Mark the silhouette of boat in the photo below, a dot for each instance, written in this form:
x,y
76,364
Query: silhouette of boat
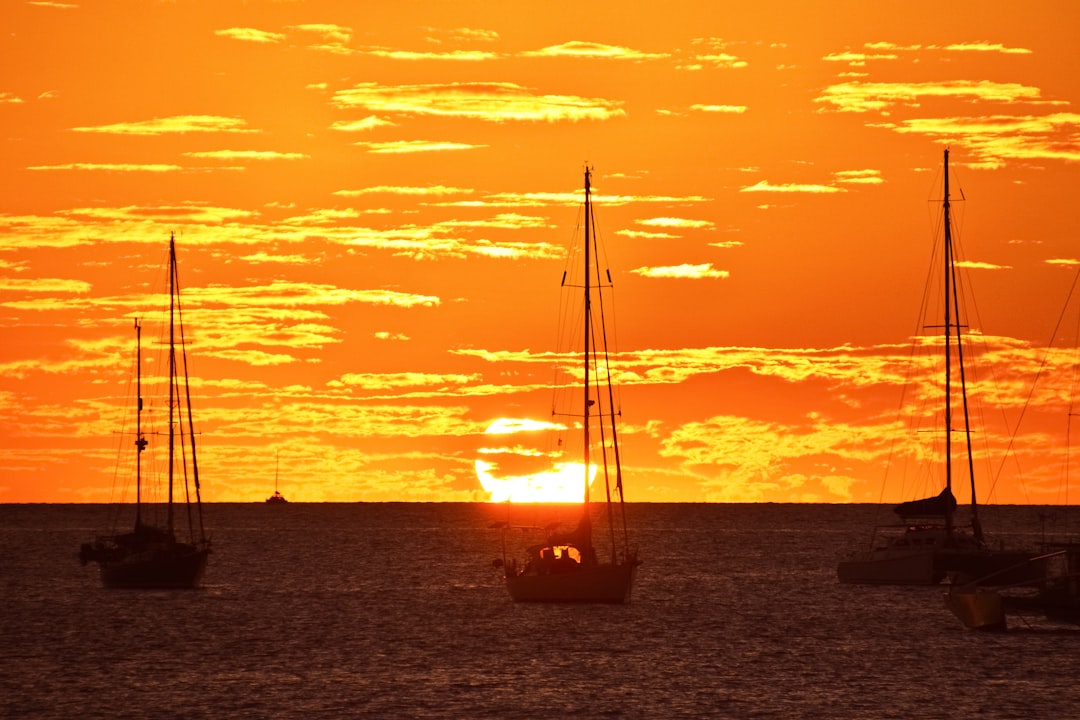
x,y
151,555
927,545
566,567
986,603
277,498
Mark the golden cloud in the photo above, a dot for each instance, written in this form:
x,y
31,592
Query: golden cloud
x,y
766,186
645,235
974,265
251,35
711,52
736,109
859,177
685,271
580,48
261,257
386,381
111,167
401,147
491,102
861,97
247,155
436,190
369,123
451,55
857,58
675,222
987,47
179,124
994,139
44,285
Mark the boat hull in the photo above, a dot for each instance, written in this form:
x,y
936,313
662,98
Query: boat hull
x,y
908,569
597,584
993,567
978,610
178,568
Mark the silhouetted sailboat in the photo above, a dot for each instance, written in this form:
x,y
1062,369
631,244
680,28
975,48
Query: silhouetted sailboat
x,y
151,555
566,567
277,498
985,603
928,545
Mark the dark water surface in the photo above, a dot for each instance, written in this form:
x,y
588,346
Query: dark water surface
x,y
395,611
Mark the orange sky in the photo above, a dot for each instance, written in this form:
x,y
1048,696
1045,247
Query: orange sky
x,y
372,203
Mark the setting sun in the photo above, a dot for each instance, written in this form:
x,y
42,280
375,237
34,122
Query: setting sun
x,y
518,464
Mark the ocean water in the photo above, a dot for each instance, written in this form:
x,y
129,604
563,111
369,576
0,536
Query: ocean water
x,y
395,611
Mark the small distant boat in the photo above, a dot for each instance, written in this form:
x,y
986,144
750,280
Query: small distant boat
x,y
152,555
928,545
277,498
565,567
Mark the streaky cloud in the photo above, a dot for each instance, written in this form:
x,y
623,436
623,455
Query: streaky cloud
x,y
581,48
491,102
859,177
178,124
385,381
111,167
975,265
371,122
405,147
674,222
247,34
247,155
421,55
435,190
44,285
766,186
733,109
862,97
685,271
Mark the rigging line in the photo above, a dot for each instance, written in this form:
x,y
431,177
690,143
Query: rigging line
x,y
913,350
1038,374
598,245
603,455
1072,408
967,295
190,421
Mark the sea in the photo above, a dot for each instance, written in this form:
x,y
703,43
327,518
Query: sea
x,y
399,611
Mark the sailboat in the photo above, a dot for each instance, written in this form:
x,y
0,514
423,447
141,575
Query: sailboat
x,y
567,566
986,603
152,555
928,544
277,498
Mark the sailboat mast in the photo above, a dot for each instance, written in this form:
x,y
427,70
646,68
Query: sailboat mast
x,y
172,370
140,443
588,331
948,252
963,384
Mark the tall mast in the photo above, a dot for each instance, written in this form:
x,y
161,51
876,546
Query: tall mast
x,y
948,336
140,441
955,297
588,330
948,340
173,399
